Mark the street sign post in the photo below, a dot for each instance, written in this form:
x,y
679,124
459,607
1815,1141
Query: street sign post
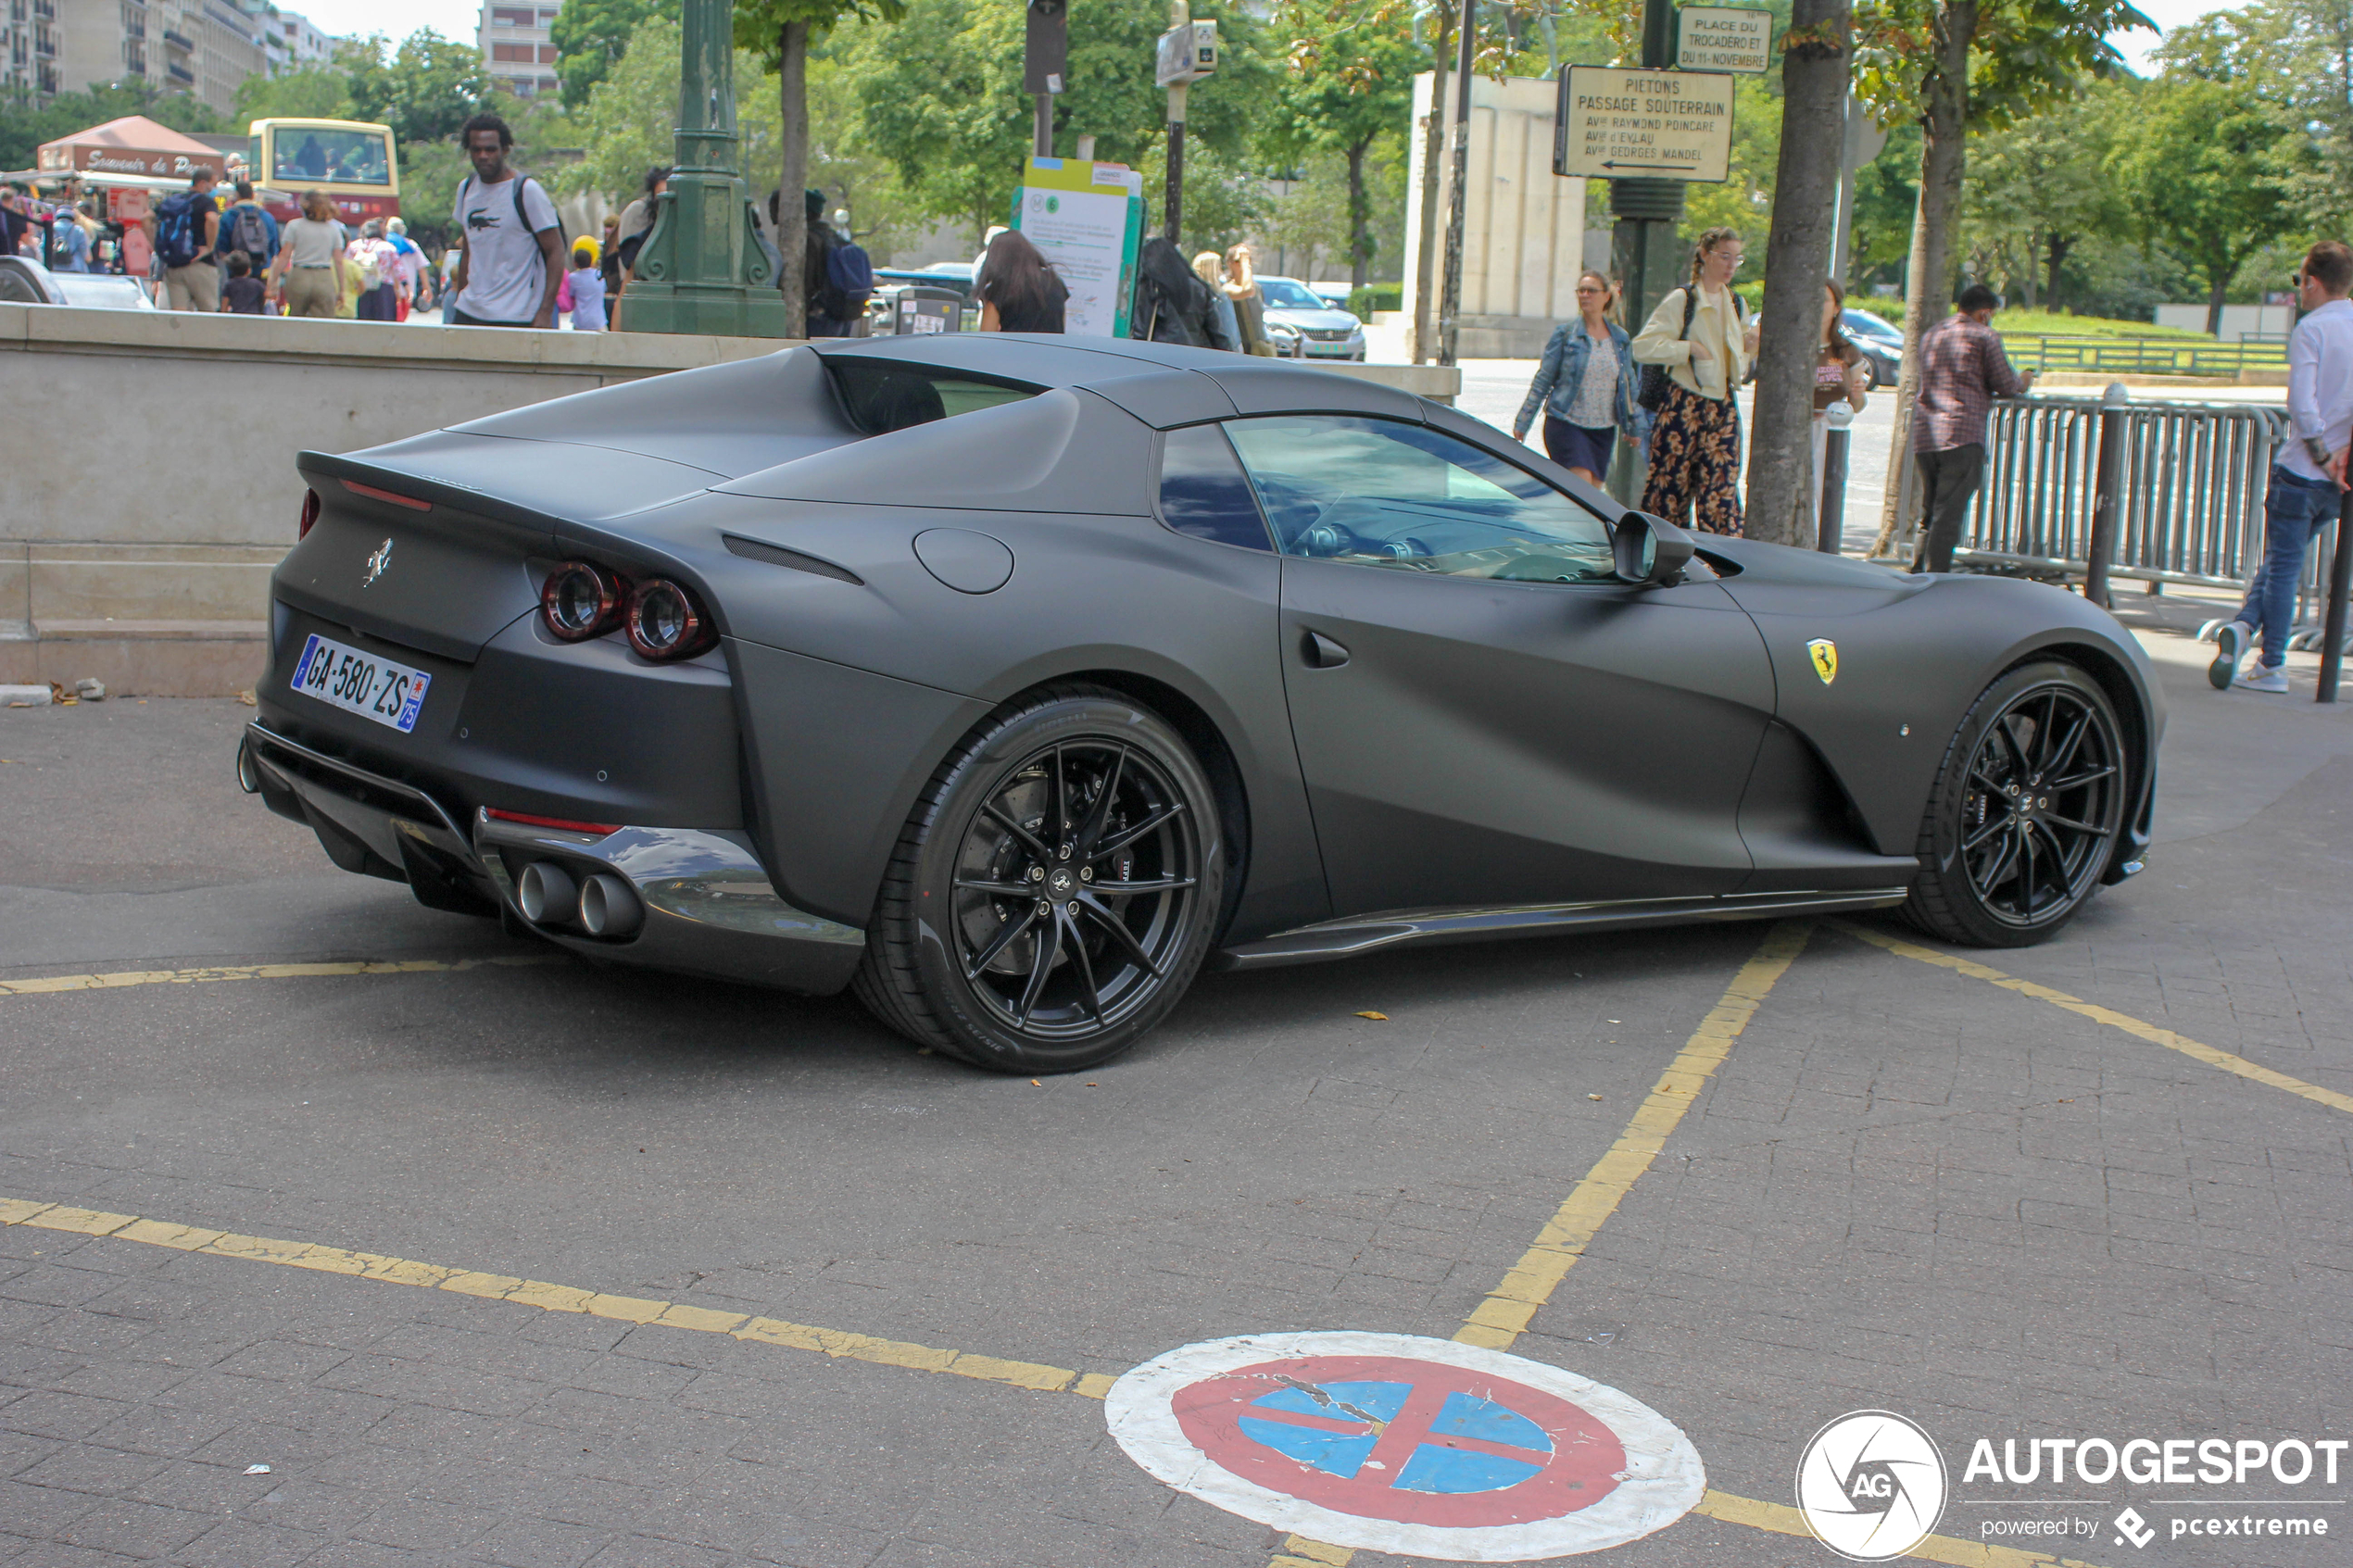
x,y
1734,38
1659,124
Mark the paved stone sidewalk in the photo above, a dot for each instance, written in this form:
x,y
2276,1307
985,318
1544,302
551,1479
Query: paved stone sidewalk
x,y
1907,1189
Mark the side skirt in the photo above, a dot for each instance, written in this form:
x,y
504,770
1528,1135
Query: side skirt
x,y
1364,934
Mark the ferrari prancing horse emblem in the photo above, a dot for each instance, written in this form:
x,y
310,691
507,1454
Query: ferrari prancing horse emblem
x,y
1825,656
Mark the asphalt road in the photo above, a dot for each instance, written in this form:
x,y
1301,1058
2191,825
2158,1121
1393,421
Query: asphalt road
x,y
1905,1188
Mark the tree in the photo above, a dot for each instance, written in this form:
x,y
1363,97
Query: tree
x,y
25,125
630,123
2044,185
1348,79
425,90
2207,174
318,91
1797,258
940,96
591,36
1945,65
779,32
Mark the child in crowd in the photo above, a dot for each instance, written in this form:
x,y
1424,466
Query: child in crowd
x,y
242,293
583,292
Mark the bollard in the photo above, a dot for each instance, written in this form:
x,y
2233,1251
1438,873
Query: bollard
x,y
2333,623
1831,530
2108,498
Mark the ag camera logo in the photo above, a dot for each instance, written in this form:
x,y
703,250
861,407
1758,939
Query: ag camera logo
x,y
1871,1485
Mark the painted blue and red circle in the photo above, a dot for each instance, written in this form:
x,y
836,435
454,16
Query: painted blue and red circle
x,y
1418,1442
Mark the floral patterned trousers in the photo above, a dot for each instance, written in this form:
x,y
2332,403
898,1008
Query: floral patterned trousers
x,y
1696,446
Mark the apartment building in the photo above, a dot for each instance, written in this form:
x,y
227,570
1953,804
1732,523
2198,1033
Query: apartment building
x,y
516,50
205,47
290,42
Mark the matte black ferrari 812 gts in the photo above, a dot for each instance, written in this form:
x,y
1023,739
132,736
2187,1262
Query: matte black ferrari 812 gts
x,y
1010,680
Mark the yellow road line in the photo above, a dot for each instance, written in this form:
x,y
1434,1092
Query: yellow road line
x,y
1783,1520
551,1298
258,972
1508,1309
2254,1070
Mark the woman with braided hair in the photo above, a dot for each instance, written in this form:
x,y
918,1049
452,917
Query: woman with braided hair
x,y
1702,335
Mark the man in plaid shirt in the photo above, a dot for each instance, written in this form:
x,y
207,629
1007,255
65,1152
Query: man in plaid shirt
x,y
1962,370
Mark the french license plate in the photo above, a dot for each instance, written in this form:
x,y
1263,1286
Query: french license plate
x,y
361,682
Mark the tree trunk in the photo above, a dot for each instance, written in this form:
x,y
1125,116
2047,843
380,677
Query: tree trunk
x,y
1928,283
1360,217
2060,245
2221,277
792,181
2025,275
1433,148
1797,263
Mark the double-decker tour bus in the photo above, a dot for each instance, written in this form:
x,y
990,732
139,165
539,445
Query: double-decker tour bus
x,y
354,163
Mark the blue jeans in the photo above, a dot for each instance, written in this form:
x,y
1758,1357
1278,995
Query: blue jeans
x,y
2294,510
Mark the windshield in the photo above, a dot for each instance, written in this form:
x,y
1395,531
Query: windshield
x,y
345,157
1863,321
1284,294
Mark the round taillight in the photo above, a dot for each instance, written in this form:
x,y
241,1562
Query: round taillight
x,y
309,514
665,623
580,600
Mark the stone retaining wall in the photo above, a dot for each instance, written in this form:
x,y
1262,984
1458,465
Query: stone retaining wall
x,y
149,484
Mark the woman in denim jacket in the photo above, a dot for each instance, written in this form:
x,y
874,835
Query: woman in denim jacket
x,y
1585,385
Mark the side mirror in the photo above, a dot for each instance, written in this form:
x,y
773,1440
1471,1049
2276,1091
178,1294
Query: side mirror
x,y
1650,550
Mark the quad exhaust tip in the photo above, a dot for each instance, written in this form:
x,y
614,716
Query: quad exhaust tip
x,y
609,906
604,905
548,894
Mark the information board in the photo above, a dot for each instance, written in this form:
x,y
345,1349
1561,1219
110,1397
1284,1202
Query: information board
x,y
1089,218
1664,124
1723,38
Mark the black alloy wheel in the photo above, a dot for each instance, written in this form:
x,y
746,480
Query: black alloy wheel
x,y
1052,893
2025,814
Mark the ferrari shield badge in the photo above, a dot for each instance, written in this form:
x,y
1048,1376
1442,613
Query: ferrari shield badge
x,y
1824,654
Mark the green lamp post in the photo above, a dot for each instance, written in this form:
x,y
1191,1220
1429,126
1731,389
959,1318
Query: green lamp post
x,y
700,268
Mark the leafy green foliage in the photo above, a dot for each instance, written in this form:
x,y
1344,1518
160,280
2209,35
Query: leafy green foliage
x,y
2208,173
2024,55
631,120
425,89
591,36
1347,80
318,91
2038,187
24,126
940,96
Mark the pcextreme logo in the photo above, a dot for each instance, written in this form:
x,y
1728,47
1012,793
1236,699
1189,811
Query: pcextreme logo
x,y
1871,1485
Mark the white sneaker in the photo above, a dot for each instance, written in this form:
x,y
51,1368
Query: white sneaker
x,y
2263,677
2231,642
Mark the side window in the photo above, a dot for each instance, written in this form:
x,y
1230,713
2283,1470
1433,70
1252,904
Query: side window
x,y
1203,491
1386,494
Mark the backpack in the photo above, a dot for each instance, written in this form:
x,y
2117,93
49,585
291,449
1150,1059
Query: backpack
x,y
850,281
1651,393
179,228
1171,303
251,235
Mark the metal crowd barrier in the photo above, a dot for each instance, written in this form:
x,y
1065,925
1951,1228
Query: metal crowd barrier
x,y
2190,482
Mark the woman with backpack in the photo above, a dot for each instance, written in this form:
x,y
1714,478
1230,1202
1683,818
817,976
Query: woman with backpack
x,y
1585,385
1695,350
1017,288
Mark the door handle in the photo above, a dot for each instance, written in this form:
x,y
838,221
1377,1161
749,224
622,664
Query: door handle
x,y
1321,652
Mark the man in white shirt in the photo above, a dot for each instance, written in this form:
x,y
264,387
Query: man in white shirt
x,y
513,258
2308,473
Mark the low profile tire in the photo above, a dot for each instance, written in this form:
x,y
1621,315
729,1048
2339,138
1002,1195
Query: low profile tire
x,y
2024,817
1052,892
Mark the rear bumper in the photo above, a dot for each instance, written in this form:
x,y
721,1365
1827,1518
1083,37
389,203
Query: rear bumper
x,y
708,905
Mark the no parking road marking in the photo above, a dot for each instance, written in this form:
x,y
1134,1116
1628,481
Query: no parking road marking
x,y
1399,1443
